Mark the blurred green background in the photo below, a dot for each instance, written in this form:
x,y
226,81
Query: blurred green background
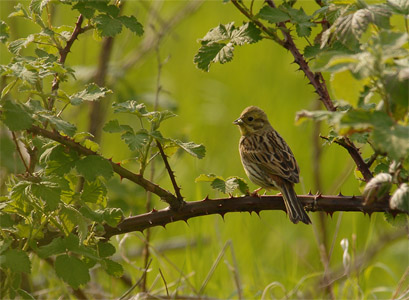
x,y
271,254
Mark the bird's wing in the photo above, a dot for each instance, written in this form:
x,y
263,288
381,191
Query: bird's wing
x,y
272,155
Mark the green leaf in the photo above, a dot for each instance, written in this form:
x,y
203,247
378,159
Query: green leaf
x,y
94,192
70,218
19,11
93,166
399,6
207,178
196,150
60,160
213,52
49,192
61,125
25,295
56,246
311,51
378,187
132,24
303,29
37,6
131,106
97,216
107,26
113,216
400,199
4,32
272,15
15,260
393,140
15,116
71,270
113,126
112,268
399,220
248,33
105,249
397,90
15,46
137,140
92,92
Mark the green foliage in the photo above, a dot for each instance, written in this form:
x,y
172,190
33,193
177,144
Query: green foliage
x,y
218,44
226,186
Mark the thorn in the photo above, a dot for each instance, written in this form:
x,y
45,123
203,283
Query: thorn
x,y
353,197
206,198
120,176
110,159
163,225
231,196
309,193
186,222
370,214
331,213
118,163
394,214
153,210
222,215
150,222
340,194
257,212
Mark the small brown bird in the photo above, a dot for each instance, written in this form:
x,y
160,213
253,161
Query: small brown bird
x,y
268,160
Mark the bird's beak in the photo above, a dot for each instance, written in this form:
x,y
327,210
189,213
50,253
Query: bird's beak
x,y
239,121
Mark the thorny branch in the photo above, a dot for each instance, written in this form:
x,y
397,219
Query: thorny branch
x,y
316,79
124,173
328,204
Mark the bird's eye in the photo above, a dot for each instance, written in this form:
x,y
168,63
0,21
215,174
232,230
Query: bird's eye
x,y
250,119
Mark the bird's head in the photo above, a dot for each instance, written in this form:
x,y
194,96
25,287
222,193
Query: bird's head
x,y
252,120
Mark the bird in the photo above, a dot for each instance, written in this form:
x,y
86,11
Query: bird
x,y
268,160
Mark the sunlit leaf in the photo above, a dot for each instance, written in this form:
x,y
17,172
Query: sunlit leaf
x,y
272,15
4,32
93,166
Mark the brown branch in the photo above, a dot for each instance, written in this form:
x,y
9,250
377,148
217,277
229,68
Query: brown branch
x,y
316,79
328,204
63,56
124,173
170,172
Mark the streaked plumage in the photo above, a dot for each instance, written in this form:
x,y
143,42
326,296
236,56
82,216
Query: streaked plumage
x,y
268,160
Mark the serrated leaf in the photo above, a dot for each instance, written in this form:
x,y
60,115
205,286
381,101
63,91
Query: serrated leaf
x,y
393,140
92,92
196,150
37,6
112,268
213,52
15,260
220,33
105,249
69,217
311,51
377,187
400,199
399,220
60,161
15,46
137,140
219,184
132,24
113,216
56,246
94,192
4,32
72,270
107,25
49,192
61,125
97,216
113,126
131,106
207,178
304,29
248,33
19,11
15,116
272,15
93,166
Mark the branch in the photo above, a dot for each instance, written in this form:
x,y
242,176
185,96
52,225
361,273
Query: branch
x,y
124,173
63,55
170,172
328,204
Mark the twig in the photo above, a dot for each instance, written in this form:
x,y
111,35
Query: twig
x,y
124,173
164,282
63,56
329,204
401,281
170,172
356,156
19,152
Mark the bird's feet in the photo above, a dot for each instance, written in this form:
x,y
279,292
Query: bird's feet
x,y
255,193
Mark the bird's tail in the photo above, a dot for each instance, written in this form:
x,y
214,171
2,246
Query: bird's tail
x,y
294,207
